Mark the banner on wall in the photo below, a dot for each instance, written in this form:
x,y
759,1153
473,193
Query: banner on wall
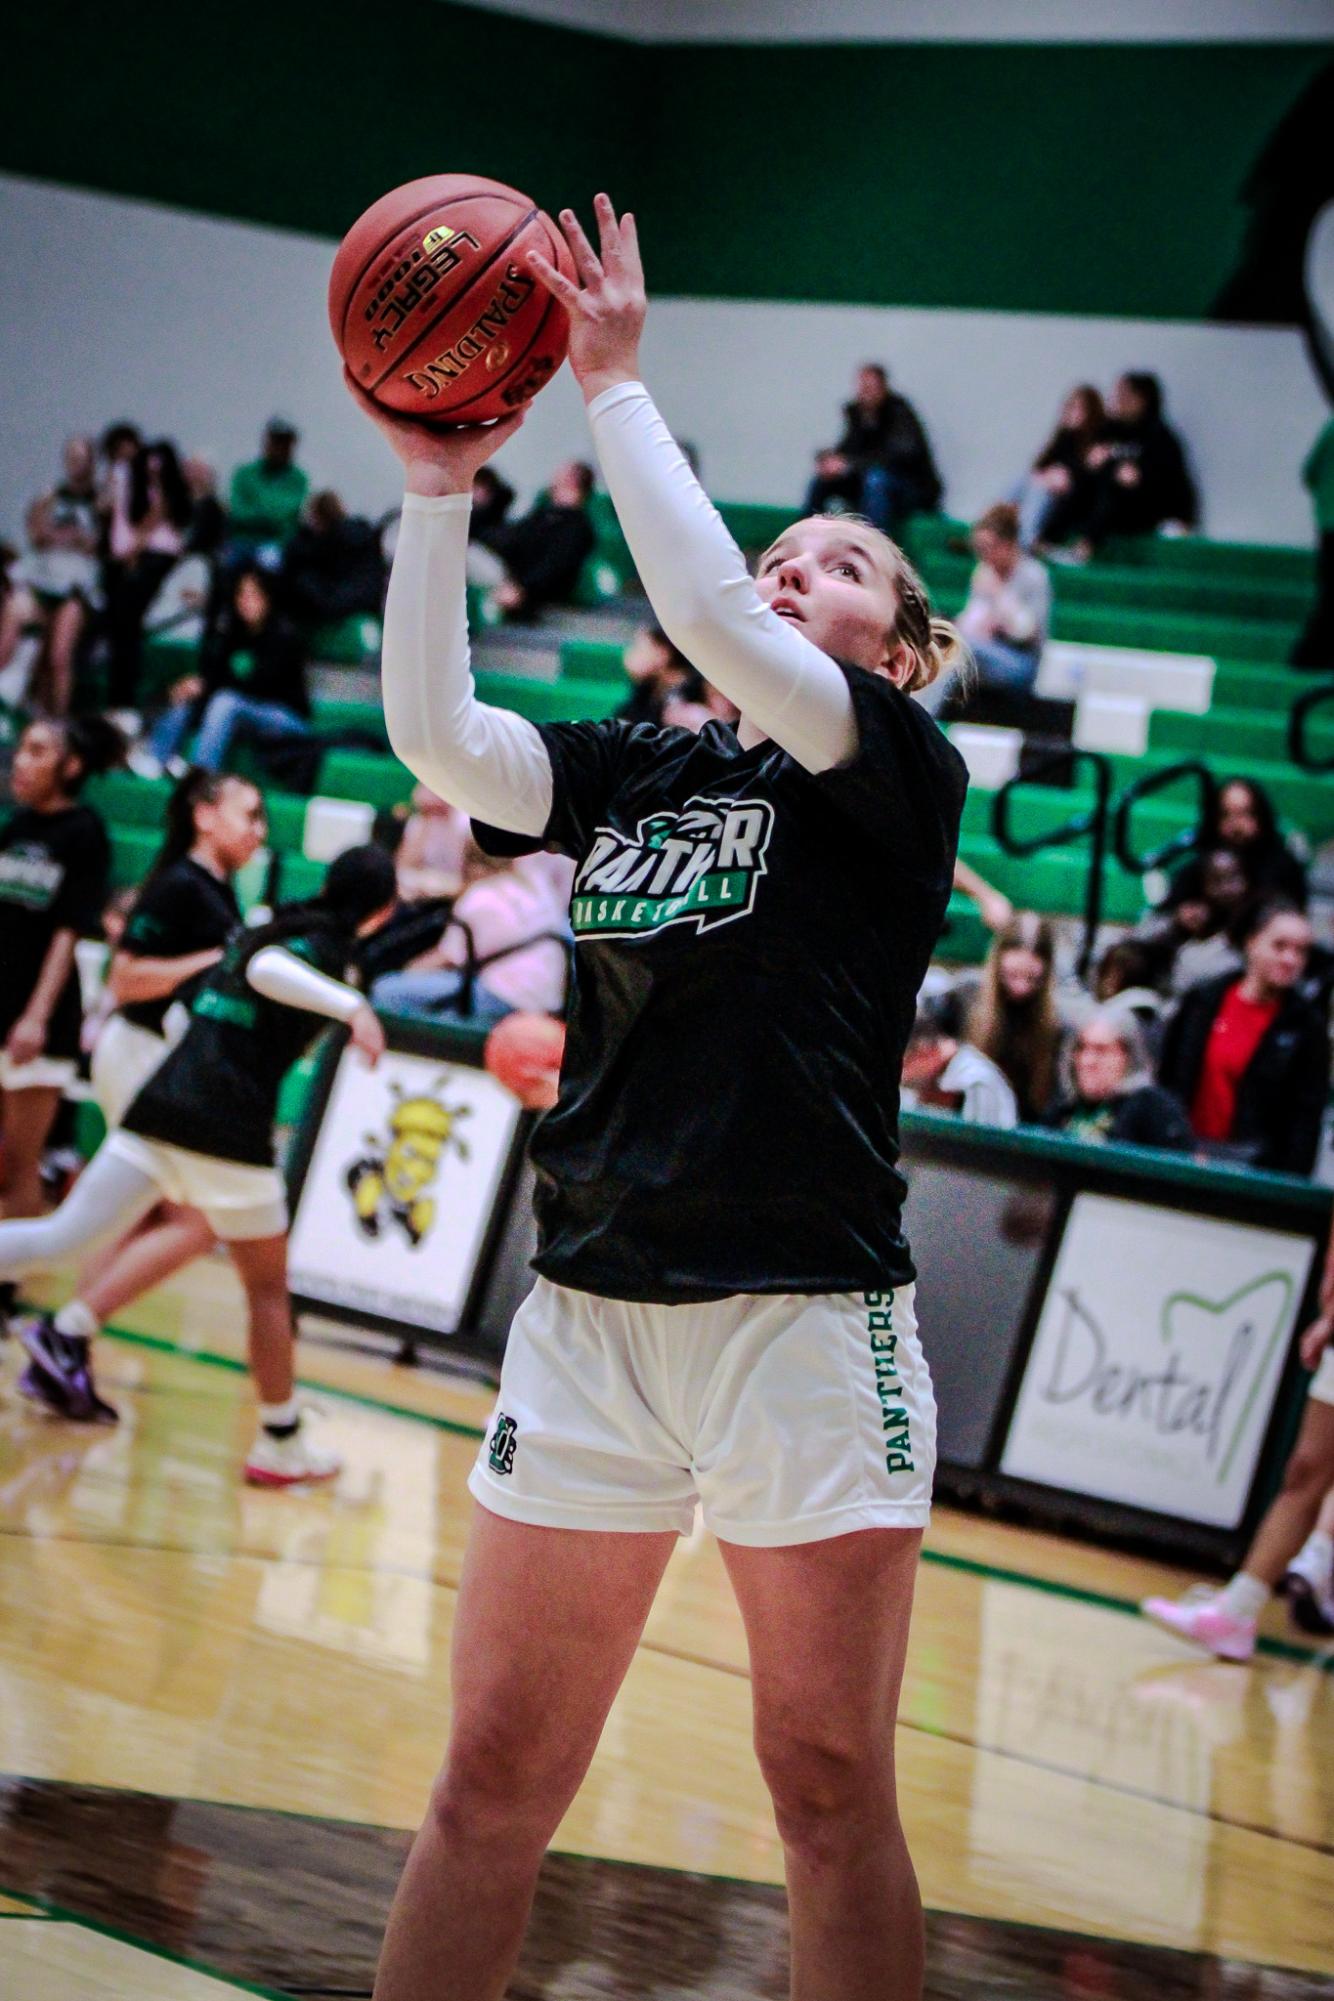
x,y
400,1195
1157,1358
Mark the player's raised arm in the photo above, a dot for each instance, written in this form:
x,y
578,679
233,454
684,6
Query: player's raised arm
x,y
488,762
692,570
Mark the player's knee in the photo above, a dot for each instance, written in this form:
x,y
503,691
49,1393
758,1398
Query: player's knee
x,y
824,1790
498,1781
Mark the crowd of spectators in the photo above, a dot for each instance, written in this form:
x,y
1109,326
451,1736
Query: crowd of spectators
x,y
1203,1029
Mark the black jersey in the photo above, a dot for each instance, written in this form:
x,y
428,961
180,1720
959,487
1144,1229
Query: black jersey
x,y
53,877
216,1092
751,942
183,910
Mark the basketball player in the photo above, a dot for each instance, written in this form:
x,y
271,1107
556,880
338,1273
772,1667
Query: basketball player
x,y
724,1306
200,1133
174,934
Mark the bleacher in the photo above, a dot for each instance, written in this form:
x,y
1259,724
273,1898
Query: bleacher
x,y
1167,650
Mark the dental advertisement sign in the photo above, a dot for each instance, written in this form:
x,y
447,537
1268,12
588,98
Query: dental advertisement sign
x,y
401,1189
1157,1358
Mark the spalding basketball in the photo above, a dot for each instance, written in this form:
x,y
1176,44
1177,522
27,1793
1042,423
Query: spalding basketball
x,y
434,308
524,1052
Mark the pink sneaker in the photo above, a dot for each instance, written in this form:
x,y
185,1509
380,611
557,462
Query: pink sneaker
x,y
1202,1617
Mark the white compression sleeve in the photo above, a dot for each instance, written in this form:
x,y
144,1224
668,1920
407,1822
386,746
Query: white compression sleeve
x,y
490,763
702,594
108,1198
281,976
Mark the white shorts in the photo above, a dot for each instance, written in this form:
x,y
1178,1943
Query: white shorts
x,y
1322,1382
240,1202
124,1058
44,1073
791,1418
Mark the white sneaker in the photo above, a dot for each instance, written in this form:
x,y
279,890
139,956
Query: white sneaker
x,y
289,1462
142,762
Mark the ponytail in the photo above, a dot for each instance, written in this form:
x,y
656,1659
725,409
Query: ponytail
x,y
95,742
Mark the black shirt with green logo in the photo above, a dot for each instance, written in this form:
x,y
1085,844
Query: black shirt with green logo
x,y
53,877
751,942
182,910
216,1092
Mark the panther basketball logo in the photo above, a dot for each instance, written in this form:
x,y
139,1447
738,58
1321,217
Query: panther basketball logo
x,y
700,866
503,1441
388,1185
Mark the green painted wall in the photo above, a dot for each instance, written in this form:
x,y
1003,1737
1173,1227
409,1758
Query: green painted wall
x,y
1087,180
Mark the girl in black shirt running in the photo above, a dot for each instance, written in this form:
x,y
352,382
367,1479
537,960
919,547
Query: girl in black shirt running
x,y
200,1132
724,1306
54,859
174,934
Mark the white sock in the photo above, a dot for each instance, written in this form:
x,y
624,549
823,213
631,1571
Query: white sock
x,y
77,1321
1244,1596
280,1416
1319,1549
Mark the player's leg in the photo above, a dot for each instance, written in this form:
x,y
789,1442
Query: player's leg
x,y
1308,1582
827,1625
26,1118
546,1625
1225,1620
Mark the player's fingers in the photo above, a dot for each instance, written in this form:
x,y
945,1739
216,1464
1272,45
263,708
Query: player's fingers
x,y
632,264
585,259
555,281
609,234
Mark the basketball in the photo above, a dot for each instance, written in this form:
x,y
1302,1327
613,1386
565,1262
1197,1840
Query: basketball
x,y
432,304
524,1052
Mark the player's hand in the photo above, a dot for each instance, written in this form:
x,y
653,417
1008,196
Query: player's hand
x,y
26,1040
1316,1339
436,459
608,306
366,1033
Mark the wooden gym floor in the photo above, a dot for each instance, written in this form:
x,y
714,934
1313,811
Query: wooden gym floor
x,y
220,1711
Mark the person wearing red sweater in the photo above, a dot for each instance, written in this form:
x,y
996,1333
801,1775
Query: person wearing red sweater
x,y
1249,1056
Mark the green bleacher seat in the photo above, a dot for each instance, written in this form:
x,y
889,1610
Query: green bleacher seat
x,y
329,713
1305,798
287,820
347,642
1246,684
297,877
565,700
133,852
966,939
1236,735
594,660
126,800
360,774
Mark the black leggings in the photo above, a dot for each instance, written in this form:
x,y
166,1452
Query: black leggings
x,y
130,589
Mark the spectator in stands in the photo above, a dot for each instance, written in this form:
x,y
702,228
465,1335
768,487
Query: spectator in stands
x,y
251,680
660,675
1008,612
21,631
882,465
430,851
332,567
946,1073
61,568
1060,467
1241,817
1139,479
1315,646
1114,1095
1014,1018
1198,936
492,499
1249,1056
498,952
1126,974
266,499
535,562
150,518
117,446
994,908
208,516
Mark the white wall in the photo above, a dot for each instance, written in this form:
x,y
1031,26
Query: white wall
x,y
201,329
936,20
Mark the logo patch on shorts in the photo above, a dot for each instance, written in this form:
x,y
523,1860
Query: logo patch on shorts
x,y
503,1441
889,1385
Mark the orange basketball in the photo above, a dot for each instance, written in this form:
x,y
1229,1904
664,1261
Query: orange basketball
x,y
434,308
524,1052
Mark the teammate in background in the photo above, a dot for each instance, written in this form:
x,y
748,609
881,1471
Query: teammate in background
x,y
724,1306
1291,1550
200,1133
174,934
54,859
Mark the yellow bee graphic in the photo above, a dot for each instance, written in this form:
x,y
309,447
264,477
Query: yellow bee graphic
x,y
387,1185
